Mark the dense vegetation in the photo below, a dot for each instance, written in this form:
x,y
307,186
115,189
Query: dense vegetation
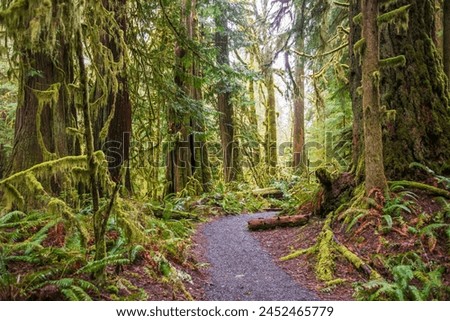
x,y
125,123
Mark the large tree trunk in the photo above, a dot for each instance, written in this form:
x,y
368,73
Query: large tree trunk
x,y
118,105
40,132
253,120
187,156
225,107
446,40
271,122
356,97
418,94
373,142
298,141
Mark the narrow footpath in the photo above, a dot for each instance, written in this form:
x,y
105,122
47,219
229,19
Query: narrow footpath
x,y
241,270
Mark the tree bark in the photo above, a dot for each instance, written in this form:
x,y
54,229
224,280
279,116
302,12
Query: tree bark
x,y
225,107
356,97
373,142
418,94
39,72
117,143
298,139
187,156
446,40
271,122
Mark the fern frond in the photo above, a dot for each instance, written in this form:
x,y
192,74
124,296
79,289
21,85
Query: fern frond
x,y
101,264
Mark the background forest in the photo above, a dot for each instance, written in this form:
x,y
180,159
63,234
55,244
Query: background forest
x,y
125,123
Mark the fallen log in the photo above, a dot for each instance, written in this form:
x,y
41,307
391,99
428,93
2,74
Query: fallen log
x,y
279,221
268,192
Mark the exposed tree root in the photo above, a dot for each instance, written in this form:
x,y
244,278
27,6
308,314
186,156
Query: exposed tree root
x,y
357,262
326,248
424,187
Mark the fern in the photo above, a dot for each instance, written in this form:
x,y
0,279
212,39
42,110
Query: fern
x,y
107,261
441,179
411,280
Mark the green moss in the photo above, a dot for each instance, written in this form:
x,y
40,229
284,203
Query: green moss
x,y
325,257
48,98
399,17
358,19
398,61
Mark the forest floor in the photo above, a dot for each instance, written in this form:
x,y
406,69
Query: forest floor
x,y
239,261
241,269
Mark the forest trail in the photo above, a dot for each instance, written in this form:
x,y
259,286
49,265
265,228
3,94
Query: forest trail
x,y
241,270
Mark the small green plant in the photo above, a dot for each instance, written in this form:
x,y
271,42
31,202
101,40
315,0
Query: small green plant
x,y
411,279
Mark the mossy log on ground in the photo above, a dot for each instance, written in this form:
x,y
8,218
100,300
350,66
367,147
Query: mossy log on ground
x,y
355,260
268,192
424,187
274,222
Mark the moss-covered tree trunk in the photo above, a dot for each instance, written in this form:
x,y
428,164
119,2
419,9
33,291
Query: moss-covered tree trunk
x,y
187,156
116,112
355,79
179,155
252,147
270,122
201,167
446,37
253,121
40,131
417,93
45,107
225,107
298,141
372,114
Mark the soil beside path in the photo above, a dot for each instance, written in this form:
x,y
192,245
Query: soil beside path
x,y
242,270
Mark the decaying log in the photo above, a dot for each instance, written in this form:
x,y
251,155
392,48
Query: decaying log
x,y
279,221
268,192
333,192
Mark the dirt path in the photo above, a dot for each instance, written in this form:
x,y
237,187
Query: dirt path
x,y
241,270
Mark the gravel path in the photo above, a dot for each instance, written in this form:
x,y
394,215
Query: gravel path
x,y
241,270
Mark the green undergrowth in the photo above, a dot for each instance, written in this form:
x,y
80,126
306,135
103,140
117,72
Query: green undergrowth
x,y
399,242
298,191
45,255
410,279
47,241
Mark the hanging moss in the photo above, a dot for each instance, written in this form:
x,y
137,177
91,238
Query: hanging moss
x,y
359,47
398,17
358,19
48,98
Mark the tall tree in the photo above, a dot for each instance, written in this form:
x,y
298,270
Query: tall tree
x,y
119,103
44,106
299,161
355,79
446,36
224,105
416,92
372,113
187,154
271,118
